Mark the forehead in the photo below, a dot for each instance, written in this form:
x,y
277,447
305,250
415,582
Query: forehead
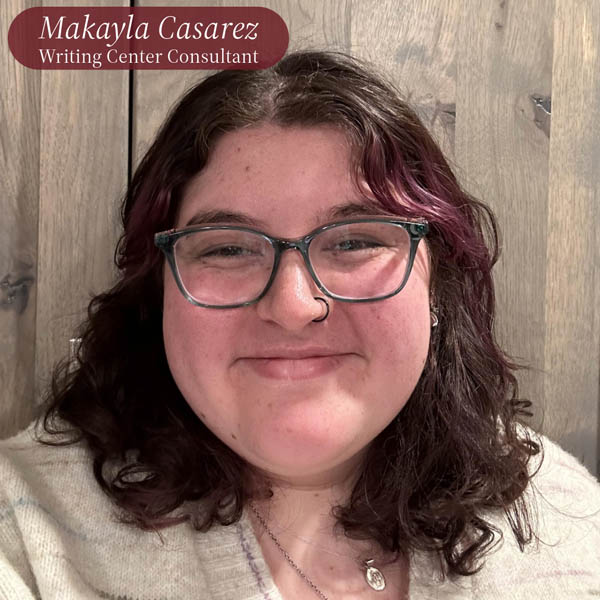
x,y
282,179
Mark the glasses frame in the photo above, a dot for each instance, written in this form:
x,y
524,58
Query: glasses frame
x,y
165,241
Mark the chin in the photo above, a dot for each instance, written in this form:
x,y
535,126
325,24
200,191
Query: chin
x,y
296,454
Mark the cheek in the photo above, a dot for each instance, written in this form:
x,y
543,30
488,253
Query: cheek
x,y
193,336
401,334
178,321
398,334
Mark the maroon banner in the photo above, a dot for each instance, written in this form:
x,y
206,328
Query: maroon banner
x,y
162,37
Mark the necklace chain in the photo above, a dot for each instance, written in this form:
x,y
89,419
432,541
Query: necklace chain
x,y
286,555
374,577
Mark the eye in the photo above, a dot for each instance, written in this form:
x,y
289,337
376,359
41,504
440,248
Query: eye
x,y
219,246
356,244
225,251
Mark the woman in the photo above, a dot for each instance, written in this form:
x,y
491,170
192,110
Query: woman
x,y
294,382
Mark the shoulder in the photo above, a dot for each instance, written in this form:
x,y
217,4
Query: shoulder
x,y
564,494
60,537
38,484
35,475
40,479
25,461
558,462
563,559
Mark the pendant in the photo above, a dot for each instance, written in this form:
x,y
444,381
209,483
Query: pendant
x,y
374,576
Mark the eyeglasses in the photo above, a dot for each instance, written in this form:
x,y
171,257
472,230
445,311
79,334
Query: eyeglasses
x,y
226,266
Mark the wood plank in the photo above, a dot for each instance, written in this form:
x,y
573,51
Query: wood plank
x,y
572,270
504,64
19,185
415,48
83,171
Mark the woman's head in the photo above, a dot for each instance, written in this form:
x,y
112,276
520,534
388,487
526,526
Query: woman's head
x,y
298,399
199,394
283,146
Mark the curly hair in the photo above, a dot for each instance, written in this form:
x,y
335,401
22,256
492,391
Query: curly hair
x,y
456,450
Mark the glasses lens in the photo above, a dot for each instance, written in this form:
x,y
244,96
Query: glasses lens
x,y
361,260
219,267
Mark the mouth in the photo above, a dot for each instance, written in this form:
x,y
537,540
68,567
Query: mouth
x,y
295,366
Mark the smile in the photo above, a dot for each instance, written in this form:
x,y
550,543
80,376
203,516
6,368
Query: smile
x,y
294,369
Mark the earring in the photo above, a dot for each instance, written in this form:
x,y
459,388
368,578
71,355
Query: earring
x,y
434,318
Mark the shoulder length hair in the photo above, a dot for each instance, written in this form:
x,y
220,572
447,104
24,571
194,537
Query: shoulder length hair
x,y
456,450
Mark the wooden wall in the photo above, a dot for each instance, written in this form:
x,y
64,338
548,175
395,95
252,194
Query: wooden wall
x,y
64,163
511,90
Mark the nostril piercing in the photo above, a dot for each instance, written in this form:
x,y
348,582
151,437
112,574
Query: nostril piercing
x,y
321,299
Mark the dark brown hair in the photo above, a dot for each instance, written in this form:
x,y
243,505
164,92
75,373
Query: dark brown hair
x,y
455,452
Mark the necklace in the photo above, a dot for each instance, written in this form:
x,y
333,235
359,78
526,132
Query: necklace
x,y
373,575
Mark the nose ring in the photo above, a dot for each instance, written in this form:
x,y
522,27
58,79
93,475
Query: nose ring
x,y
321,299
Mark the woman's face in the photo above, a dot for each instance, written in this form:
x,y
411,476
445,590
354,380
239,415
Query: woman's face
x,y
300,400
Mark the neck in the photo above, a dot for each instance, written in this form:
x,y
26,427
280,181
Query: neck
x,y
301,520
306,510
301,508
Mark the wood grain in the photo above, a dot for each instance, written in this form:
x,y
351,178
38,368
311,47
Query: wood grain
x,y
19,188
572,267
414,45
504,60
83,169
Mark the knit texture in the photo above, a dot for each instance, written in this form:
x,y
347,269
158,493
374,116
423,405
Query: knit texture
x,y
60,540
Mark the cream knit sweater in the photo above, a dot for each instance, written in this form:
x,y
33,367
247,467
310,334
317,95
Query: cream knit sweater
x,y
60,540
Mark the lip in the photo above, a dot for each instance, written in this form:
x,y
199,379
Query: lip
x,y
295,364
294,352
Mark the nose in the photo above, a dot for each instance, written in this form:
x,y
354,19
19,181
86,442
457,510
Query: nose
x,y
290,301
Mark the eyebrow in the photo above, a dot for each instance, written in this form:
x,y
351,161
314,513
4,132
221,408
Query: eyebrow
x,y
209,217
345,210
366,208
